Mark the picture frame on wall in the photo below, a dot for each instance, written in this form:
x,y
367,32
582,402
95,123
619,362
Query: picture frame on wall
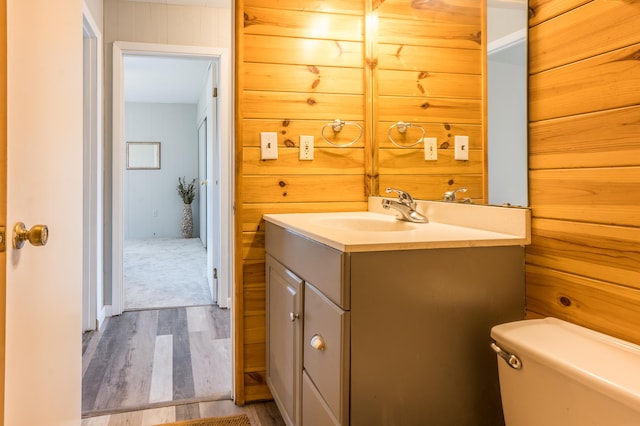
x,y
143,155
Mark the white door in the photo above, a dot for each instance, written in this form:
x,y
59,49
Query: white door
x,y
202,177
44,185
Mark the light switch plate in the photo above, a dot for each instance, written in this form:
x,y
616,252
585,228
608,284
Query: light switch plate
x,y
461,148
430,148
306,147
268,145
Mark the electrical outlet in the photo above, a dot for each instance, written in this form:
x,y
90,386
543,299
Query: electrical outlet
x,y
306,147
461,151
430,148
268,145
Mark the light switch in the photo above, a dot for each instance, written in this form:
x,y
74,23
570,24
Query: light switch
x,y
430,148
268,145
461,148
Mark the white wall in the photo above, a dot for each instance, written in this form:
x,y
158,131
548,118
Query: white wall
x,y
151,23
153,208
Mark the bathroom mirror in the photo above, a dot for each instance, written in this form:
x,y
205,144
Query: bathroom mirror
x,y
432,73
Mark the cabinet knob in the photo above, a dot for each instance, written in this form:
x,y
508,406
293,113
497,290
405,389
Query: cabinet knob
x,y
317,342
293,316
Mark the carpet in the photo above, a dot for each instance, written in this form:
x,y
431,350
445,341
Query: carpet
x,y
238,420
164,273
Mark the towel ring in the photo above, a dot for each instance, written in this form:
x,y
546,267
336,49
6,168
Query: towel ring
x,y
337,126
402,129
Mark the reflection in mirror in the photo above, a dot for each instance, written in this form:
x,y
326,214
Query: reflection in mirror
x,y
429,73
429,64
506,98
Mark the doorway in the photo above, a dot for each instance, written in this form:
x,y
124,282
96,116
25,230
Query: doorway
x,y
167,99
222,198
164,328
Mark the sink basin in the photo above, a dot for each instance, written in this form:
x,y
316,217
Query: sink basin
x,y
365,224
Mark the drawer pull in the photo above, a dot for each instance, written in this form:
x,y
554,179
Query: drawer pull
x,y
317,342
293,316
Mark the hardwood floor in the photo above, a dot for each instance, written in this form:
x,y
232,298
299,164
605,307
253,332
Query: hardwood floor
x,y
153,358
260,414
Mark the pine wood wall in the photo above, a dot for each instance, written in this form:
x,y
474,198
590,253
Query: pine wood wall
x,y
429,72
584,164
301,65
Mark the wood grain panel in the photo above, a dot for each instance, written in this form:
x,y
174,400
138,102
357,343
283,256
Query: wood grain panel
x,y
354,7
252,213
334,161
303,78
582,265
467,12
256,330
412,162
423,83
562,91
431,59
594,304
416,33
607,196
603,252
303,23
542,10
254,288
601,139
295,189
433,187
596,27
289,132
429,109
286,105
255,358
253,245
298,51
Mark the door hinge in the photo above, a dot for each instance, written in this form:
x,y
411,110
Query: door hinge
x,y
215,273
215,92
3,239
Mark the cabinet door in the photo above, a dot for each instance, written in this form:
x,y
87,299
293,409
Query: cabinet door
x,y
284,344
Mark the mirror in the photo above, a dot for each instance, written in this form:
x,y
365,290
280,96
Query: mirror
x,y
430,74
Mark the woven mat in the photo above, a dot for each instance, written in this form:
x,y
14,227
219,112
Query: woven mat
x,y
238,420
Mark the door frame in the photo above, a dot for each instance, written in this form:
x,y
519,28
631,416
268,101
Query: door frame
x,y
225,162
93,312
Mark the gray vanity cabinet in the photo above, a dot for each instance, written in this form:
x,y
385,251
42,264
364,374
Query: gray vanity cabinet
x,y
406,332
284,334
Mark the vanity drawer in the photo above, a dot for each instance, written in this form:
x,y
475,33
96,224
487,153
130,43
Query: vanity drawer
x,y
325,267
315,411
326,350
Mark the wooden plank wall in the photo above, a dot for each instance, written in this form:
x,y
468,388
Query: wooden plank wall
x,y
299,66
430,62
584,159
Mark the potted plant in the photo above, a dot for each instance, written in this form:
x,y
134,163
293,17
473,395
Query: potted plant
x,y
187,193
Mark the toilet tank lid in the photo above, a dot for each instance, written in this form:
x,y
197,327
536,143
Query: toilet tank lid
x,y
602,362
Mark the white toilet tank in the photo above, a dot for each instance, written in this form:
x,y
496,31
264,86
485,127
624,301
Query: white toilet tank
x,y
568,375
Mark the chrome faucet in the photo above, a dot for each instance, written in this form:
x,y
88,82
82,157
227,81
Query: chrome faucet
x,y
452,196
405,206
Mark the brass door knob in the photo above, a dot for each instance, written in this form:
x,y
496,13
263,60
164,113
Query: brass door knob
x,y
37,235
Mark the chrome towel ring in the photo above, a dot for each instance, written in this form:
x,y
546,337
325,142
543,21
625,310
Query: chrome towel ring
x,y
402,129
337,125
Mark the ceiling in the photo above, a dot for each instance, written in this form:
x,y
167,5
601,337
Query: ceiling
x,y
164,79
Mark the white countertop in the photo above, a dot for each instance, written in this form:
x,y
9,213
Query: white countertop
x,y
372,231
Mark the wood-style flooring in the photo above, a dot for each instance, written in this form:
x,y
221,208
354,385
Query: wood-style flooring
x,y
260,414
155,358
